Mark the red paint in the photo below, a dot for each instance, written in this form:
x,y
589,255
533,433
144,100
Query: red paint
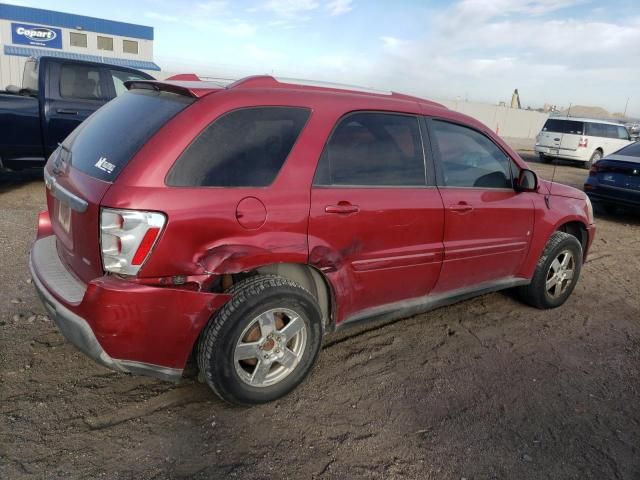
x,y
44,225
184,77
373,245
251,213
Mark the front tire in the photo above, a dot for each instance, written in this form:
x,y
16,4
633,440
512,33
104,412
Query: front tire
x,y
556,274
263,342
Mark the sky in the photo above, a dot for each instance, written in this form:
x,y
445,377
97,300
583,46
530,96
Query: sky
x,y
553,51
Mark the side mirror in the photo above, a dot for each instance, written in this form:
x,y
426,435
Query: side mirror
x,y
527,181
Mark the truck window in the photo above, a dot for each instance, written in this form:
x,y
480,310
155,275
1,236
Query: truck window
x,y
30,76
119,77
80,82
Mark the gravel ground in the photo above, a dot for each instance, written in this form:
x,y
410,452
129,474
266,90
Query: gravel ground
x,y
485,389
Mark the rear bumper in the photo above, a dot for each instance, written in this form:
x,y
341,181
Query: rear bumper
x,y
612,195
577,155
121,325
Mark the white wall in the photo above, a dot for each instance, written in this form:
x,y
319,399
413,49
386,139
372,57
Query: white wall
x,y
11,70
506,121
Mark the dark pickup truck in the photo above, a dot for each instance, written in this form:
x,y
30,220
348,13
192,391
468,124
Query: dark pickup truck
x,y
56,95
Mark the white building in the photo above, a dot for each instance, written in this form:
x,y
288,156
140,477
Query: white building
x,y
32,32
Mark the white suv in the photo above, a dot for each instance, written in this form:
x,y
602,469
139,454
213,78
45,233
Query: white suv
x,y
583,139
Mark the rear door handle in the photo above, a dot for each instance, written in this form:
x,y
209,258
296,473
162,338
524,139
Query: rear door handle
x,y
342,208
65,111
461,208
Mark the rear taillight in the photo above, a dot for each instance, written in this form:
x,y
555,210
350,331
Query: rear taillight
x,y
594,170
127,237
584,142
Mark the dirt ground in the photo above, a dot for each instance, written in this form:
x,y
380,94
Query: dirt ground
x,y
486,389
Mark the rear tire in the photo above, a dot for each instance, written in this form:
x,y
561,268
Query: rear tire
x,y
556,274
263,342
597,155
545,159
609,208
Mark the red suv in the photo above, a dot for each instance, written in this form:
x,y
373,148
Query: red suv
x,y
239,225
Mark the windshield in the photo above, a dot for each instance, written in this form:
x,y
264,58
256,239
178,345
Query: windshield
x,y
104,143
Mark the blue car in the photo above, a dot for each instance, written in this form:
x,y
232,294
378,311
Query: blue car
x,y
615,180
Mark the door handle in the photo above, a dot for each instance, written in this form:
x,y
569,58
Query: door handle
x,y
556,139
65,111
342,208
461,207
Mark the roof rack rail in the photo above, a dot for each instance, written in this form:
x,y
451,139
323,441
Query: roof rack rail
x,y
266,81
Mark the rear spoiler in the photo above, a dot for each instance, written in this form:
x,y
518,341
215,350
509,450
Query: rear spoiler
x,y
194,89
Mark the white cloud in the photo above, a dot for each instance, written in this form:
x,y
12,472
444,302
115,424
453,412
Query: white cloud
x,y
212,6
391,43
263,55
289,8
239,29
161,17
339,7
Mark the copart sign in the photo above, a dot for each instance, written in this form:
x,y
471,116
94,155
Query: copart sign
x,y
36,35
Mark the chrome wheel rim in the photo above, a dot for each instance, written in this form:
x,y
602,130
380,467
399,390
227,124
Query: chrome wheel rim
x,y
560,274
270,347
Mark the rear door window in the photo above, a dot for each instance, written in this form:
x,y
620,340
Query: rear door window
x,y
104,143
373,149
243,148
469,159
605,130
80,82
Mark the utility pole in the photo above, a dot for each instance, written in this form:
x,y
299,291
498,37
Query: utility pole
x,y
625,107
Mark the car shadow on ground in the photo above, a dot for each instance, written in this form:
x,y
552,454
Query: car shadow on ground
x,y
531,157
10,179
624,215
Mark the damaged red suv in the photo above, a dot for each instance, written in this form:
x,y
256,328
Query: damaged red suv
x,y
239,225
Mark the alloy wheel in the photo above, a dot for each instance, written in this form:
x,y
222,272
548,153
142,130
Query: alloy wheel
x,y
270,347
560,274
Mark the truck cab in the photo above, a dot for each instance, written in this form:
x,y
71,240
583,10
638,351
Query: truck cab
x,y
56,95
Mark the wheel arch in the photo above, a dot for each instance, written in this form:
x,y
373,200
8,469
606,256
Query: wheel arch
x,y
311,279
577,229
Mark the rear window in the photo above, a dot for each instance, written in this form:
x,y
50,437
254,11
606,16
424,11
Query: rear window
x,y
563,126
243,148
632,150
104,143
